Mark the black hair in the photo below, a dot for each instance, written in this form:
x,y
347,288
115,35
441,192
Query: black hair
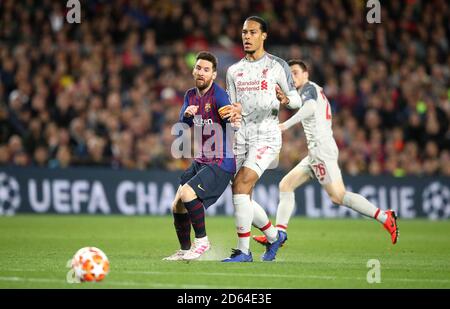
x,y
204,55
260,21
300,63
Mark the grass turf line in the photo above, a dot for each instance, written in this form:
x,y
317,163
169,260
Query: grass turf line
x,y
320,253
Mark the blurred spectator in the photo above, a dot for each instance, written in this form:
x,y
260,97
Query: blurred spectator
x,y
40,156
62,159
108,90
4,155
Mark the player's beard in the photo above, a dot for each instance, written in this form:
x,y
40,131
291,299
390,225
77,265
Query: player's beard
x,y
202,84
251,52
248,51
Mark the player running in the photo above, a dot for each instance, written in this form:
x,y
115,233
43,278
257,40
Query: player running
x,y
322,159
207,104
252,82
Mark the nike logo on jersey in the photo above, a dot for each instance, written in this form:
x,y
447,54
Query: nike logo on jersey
x,y
200,187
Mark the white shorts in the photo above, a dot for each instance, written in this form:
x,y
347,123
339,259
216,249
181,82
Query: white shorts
x,y
257,152
322,163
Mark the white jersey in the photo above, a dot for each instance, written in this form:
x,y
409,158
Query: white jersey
x,y
252,83
315,116
317,127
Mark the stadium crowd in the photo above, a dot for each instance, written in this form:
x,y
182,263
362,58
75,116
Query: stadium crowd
x,y
106,91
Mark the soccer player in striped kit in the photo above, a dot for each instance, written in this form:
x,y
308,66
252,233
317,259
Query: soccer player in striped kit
x,y
207,107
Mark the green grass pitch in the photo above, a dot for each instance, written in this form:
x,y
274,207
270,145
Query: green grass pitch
x,y
321,253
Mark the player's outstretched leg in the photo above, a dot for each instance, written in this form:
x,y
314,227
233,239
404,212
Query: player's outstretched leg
x,y
360,204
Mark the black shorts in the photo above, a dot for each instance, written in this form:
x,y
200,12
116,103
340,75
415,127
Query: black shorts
x,y
207,181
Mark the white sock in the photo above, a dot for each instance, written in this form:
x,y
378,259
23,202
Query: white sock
x,y
262,222
243,220
360,204
285,209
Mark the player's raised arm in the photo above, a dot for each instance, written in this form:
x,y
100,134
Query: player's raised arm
x,y
308,108
286,83
187,112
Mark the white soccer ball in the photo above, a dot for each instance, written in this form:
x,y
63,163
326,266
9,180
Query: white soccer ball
x,y
90,264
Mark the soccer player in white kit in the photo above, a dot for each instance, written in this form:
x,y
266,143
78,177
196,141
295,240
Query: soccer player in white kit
x,y
322,159
252,82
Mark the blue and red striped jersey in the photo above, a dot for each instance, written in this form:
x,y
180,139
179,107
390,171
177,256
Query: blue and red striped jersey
x,y
216,147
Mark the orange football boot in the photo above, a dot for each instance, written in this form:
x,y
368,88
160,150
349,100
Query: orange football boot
x,y
391,225
261,239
